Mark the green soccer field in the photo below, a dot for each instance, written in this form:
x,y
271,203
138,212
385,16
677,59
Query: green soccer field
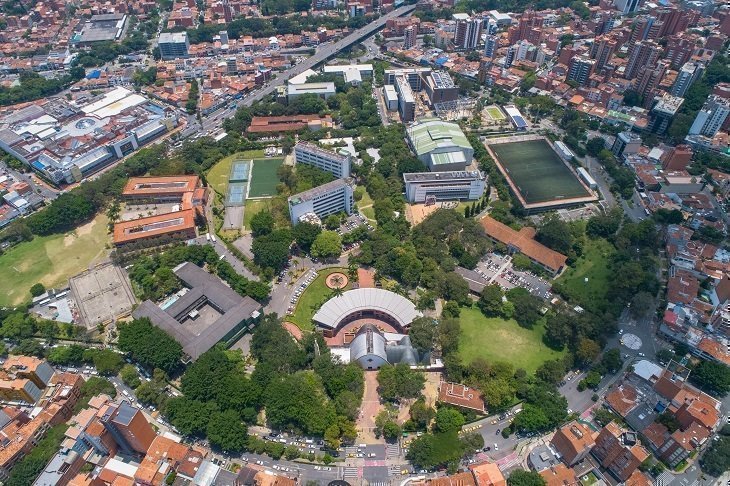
x,y
495,113
263,177
538,172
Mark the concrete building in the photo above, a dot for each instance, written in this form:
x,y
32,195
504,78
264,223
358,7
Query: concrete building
x,y
711,117
364,303
67,143
406,99
409,37
391,97
627,6
173,45
444,186
490,46
687,75
323,90
642,54
331,198
468,31
332,162
441,146
440,88
580,70
663,113
626,143
563,151
207,313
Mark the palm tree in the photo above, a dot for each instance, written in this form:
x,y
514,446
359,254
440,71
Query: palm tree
x,y
337,292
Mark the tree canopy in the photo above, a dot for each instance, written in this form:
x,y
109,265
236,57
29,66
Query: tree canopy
x,y
150,345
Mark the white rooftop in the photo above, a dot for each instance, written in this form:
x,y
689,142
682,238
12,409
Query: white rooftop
x,y
337,308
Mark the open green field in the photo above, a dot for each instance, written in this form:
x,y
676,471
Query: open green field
x,y
497,339
495,113
51,260
218,174
538,172
366,205
593,265
251,207
313,297
263,177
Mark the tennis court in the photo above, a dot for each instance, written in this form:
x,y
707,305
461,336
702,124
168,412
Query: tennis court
x,y
263,177
537,171
236,194
239,171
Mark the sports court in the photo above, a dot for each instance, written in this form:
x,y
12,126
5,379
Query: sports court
x,y
263,177
537,174
495,113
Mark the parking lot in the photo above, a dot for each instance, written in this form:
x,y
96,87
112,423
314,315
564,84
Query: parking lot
x,y
308,279
498,269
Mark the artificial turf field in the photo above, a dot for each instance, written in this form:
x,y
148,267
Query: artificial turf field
x,y
537,171
263,177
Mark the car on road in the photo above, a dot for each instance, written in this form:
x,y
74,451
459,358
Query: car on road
x,y
495,447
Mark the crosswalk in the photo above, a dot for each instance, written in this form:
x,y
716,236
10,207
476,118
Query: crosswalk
x,y
664,479
392,450
394,470
378,483
351,473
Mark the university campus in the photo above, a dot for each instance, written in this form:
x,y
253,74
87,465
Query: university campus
x,y
346,243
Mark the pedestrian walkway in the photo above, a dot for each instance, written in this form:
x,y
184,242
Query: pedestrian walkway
x,y
377,483
392,451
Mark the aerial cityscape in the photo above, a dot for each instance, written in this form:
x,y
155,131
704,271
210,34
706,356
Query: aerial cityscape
x,y
365,243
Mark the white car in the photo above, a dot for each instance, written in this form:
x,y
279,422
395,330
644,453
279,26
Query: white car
x,y
495,447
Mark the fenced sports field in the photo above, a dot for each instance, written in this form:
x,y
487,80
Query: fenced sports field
x,y
537,174
495,113
263,177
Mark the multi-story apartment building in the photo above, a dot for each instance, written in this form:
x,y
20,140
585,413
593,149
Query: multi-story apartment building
x,y
173,45
711,117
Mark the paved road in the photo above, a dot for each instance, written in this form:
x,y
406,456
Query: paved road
x,y
214,121
325,51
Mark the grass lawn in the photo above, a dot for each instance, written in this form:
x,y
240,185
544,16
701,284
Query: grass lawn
x,y
51,260
366,204
218,174
313,297
263,177
496,339
252,207
593,264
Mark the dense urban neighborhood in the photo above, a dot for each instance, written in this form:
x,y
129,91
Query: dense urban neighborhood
x,y
344,242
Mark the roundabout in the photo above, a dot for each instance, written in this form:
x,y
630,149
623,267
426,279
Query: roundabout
x,y
337,280
631,341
